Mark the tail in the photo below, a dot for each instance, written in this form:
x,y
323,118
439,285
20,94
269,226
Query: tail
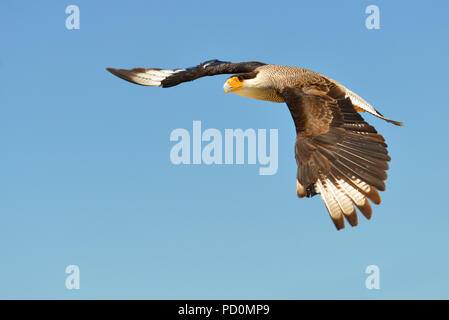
x,y
360,103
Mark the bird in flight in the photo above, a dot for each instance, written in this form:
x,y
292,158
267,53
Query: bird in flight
x,y
339,155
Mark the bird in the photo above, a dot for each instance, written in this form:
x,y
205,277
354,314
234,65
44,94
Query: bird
x,y
338,154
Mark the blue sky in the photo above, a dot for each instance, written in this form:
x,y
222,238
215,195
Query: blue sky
x,y
86,177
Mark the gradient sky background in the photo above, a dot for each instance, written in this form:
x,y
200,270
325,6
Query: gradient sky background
x,y
85,175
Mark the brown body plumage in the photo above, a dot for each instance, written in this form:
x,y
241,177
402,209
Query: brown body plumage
x,y
339,155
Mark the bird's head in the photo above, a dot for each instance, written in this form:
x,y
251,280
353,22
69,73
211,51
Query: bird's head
x,y
251,85
233,84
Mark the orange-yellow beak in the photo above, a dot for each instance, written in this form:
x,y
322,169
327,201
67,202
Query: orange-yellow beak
x,y
232,84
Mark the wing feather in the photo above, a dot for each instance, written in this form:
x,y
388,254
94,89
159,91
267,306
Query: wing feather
x,y
168,78
344,158
332,206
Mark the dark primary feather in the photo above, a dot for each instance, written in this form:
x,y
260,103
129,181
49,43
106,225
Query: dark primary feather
x,y
209,68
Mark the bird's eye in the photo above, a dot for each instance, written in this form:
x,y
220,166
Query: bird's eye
x,y
240,78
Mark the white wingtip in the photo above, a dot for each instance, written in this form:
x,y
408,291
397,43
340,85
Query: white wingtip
x,y
144,77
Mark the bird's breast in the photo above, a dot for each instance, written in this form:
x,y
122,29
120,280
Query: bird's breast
x,y
267,94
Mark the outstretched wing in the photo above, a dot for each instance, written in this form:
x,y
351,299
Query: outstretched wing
x,y
339,155
169,78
